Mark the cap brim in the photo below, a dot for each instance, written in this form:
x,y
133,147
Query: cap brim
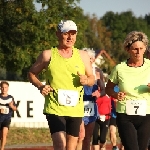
x,y
64,31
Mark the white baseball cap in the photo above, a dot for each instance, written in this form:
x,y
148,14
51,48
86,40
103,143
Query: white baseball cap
x,y
67,25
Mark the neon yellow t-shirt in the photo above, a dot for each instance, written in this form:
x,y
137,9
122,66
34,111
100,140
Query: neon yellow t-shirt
x,y
133,81
62,76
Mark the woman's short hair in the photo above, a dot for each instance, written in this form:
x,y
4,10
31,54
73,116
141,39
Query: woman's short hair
x,y
90,52
133,37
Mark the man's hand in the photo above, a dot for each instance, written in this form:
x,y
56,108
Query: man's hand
x,y
45,89
83,79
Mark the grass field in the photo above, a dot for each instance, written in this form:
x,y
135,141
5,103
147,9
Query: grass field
x,y
21,136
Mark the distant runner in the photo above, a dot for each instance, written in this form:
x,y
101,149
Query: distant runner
x,y
7,106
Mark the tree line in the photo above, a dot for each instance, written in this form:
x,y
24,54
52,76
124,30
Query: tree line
x,y
25,32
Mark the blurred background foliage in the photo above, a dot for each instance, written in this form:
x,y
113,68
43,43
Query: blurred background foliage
x,y
25,32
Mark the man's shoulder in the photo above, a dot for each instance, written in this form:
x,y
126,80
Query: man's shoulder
x,y
46,54
83,53
47,51
84,56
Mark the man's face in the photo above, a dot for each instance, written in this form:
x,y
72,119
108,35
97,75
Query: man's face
x,y
67,39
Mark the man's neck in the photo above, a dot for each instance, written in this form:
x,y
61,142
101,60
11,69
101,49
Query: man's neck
x,y
64,49
65,52
4,94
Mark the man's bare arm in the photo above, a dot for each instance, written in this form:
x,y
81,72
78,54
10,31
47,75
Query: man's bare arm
x,y
40,64
88,68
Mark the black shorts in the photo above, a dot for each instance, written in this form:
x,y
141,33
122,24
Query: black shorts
x,y
5,123
112,122
70,125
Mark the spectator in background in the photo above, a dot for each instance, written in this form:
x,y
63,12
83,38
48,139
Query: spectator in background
x,y
102,123
90,108
133,100
67,70
7,106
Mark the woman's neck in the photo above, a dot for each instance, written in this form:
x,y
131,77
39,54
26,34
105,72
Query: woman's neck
x,y
135,63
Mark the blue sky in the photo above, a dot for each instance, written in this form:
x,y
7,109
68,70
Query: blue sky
x,y
100,7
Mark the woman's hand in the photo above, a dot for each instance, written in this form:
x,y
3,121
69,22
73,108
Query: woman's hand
x,y
148,84
96,94
120,96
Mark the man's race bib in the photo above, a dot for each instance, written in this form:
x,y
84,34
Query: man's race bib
x,y
4,110
136,107
88,108
68,97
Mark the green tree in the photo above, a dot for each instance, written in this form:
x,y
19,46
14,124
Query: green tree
x,y
23,34
53,11
96,35
147,18
120,24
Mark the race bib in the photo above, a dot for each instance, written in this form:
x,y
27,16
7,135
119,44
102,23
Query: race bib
x,y
136,107
4,110
102,117
88,108
68,97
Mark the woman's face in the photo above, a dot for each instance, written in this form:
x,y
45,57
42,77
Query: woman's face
x,y
137,50
92,59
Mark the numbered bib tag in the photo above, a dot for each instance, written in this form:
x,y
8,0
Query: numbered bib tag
x,y
68,97
136,107
102,118
88,108
4,110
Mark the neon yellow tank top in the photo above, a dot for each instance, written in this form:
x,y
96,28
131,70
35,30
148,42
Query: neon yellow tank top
x,y
62,74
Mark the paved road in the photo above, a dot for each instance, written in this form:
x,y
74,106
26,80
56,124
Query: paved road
x,y
108,147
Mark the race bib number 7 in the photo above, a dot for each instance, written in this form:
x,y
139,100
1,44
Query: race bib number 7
x,y
136,107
